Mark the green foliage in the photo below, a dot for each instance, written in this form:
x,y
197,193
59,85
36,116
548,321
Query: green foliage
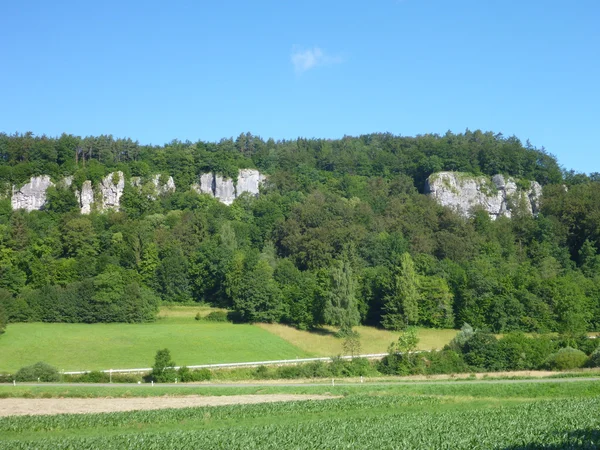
x,y
185,375
340,234
566,358
341,308
163,369
594,360
217,316
3,315
38,371
402,306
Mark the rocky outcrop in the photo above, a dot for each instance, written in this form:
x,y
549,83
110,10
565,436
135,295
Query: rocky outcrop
x,y
224,189
163,188
31,196
249,180
498,195
86,197
111,189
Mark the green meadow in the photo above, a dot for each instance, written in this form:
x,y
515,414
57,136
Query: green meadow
x,y
72,347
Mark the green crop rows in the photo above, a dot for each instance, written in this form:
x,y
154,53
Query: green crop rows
x,y
371,419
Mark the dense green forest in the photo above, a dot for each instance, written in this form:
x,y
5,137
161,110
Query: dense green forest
x,y
341,234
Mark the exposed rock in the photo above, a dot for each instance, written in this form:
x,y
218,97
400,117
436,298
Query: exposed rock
x,y
207,184
497,196
86,197
249,180
161,189
31,196
111,190
67,181
224,190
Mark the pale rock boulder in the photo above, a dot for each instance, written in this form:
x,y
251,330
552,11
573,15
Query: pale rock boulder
x,y
498,196
111,190
32,195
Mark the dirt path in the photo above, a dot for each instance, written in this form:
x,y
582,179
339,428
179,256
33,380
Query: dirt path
x,y
46,406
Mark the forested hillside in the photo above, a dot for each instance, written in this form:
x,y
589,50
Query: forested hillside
x,y
341,234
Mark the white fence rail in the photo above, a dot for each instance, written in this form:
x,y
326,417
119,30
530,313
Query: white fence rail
x,y
280,362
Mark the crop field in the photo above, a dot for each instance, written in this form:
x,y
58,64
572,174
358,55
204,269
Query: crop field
x,y
475,415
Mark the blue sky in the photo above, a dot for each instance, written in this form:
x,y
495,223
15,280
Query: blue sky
x,y
155,71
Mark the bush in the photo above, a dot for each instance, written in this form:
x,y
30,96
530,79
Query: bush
x,y
163,371
444,361
566,358
594,360
481,352
217,316
39,370
102,377
519,352
185,375
6,378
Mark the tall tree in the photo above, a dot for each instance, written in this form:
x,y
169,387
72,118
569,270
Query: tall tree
x,y
341,308
402,306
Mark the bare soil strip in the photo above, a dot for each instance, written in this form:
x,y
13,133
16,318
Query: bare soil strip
x,y
48,406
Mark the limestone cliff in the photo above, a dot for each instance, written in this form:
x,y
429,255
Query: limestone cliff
x,y
86,197
497,195
225,190
32,195
111,189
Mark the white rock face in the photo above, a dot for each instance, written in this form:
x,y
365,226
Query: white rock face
x,y
207,184
111,190
498,197
31,196
86,197
249,180
224,189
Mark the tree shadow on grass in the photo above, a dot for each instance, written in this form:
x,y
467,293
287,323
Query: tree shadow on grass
x,y
322,332
586,439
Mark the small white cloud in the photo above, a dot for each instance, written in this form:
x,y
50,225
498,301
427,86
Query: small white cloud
x,y
304,60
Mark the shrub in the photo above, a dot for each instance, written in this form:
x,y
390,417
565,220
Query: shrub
x,y
217,316
565,359
163,371
445,361
198,316
594,360
481,352
461,338
39,370
519,352
185,375
93,377
261,373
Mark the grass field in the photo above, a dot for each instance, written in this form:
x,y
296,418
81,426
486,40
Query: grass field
x,y
475,415
372,340
73,347
122,346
